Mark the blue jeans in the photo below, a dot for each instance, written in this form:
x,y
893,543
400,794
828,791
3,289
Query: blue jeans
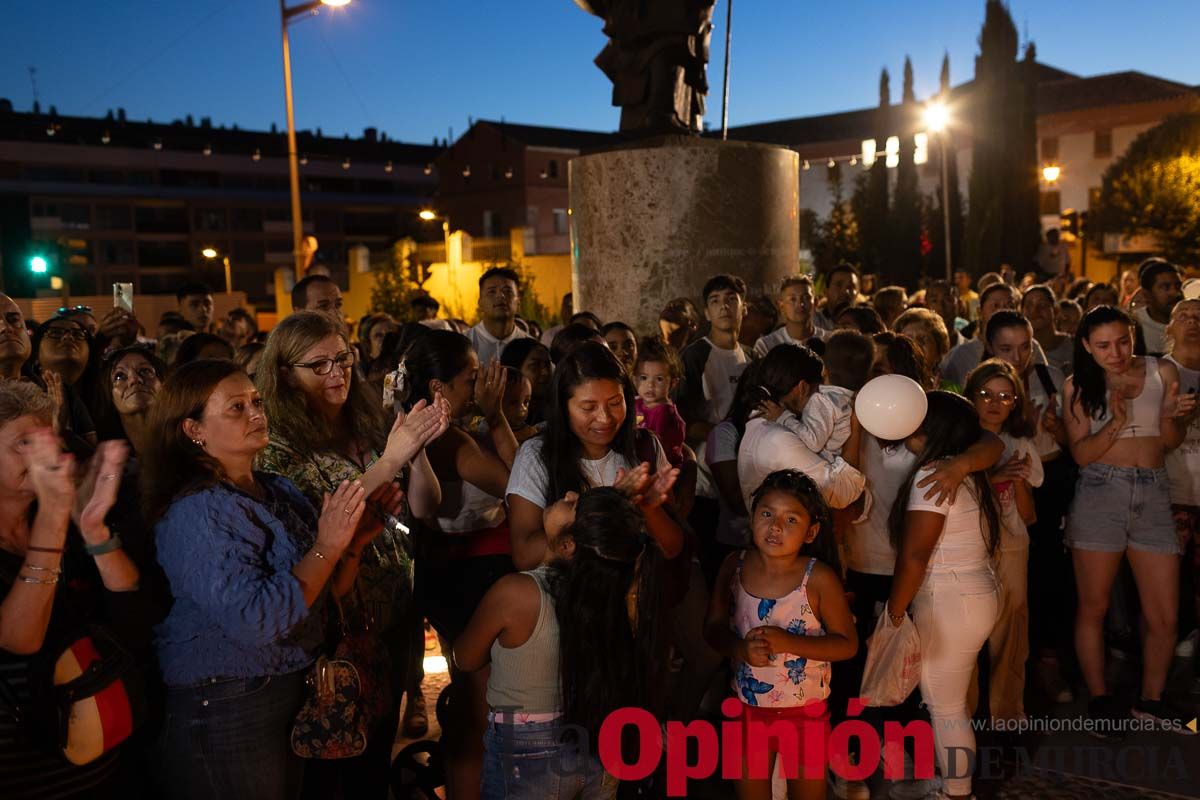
x,y
1120,508
532,761
232,739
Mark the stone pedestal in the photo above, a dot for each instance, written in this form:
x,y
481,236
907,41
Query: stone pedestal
x,y
653,221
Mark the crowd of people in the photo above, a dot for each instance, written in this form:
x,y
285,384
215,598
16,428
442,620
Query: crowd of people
x,y
591,518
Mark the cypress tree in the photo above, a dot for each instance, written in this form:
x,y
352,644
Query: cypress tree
x,y
870,198
995,127
903,263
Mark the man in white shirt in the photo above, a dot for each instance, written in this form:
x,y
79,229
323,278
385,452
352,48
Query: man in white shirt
x,y
499,299
1163,287
713,364
796,307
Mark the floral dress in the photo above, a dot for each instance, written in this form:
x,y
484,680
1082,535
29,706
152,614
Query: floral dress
x,y
789,680
383,590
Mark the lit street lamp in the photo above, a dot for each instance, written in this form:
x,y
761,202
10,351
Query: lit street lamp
x,y
430,216
937,120
211,253
287,15
1050,172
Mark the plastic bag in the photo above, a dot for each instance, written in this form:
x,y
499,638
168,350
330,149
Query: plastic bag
x,y
893,663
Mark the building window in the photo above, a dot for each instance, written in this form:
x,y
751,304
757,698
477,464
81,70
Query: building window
x,y
1102,144
114,218
1050,148
552,169
210,219
1051,203
560,221
116,253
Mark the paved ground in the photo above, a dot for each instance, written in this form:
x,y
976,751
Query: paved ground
x,y
1049,766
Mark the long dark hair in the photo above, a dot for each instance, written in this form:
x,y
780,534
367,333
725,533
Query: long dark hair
x,y
173,464
793,482
108,421
786,366
561,450
1091,391
950,427
905,357
746,398
607,660
435,356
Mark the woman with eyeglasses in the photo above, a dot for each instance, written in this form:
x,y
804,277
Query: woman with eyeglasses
x,y
65,363
998,395
326,428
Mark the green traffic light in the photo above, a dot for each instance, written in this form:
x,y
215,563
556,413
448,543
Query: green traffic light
x,y
37,264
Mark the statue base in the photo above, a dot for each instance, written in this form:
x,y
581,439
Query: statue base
x,y
652,221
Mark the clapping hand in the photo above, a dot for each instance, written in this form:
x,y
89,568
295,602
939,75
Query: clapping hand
x,y
49,469
643,489
98,490
340,515
1177,405
60,412
413,430
386,501
489,390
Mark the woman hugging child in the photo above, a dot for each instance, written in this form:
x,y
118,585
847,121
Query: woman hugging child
x,y
779,612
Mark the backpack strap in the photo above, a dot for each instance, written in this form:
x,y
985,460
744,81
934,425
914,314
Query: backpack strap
x,y
1043,373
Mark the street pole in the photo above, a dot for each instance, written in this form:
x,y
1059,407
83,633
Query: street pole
x,y
946,209
725,88
228,276
293,165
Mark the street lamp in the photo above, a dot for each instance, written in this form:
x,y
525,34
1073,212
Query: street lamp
x,y
429,216
937,120
211,253
287,15
1051,172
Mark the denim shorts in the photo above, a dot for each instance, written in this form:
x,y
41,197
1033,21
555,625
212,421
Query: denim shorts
x,y
1120,508
535,760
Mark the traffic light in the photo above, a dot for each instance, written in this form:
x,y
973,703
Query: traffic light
x,y
38,265
1070,221
76,252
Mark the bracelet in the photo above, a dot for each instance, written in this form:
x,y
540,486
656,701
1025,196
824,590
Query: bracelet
x,y
896,618
35,549
113,543
319,554
39,581
36,568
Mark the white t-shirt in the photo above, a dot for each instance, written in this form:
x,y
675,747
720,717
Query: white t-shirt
x,y
767,447
488,347
1044,442
766,344
1183,463
722,446
961,546
530,480
869,545
1155,333
1014,534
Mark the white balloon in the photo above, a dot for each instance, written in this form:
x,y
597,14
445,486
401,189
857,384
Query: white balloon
x,y
891,406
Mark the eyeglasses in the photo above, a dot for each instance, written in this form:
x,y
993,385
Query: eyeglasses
x,y
75,309
147,374
60,334
1004,398
323,366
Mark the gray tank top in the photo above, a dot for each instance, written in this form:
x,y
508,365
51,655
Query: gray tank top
x,y
524,679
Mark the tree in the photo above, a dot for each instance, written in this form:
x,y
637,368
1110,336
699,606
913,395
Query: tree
x,y
870,198
1154,188
1003,163
835,240
396,282
903,263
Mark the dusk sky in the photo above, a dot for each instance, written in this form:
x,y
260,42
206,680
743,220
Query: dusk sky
x,y
417,70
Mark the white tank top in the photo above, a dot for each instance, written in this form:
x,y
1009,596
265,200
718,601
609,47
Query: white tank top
x,y
1142,412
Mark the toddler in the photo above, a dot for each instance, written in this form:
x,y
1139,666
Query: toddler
x,y
657,374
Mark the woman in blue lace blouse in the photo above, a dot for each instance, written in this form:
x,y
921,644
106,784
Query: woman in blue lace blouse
x,y
247,559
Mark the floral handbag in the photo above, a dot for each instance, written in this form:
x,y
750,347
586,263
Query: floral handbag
x,y
332,723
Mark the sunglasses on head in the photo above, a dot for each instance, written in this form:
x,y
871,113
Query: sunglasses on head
x,y
74,310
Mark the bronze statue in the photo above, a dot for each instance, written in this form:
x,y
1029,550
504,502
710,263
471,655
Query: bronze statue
x,y
657,60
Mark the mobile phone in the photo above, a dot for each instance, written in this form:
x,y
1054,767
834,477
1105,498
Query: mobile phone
x,y
123,296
